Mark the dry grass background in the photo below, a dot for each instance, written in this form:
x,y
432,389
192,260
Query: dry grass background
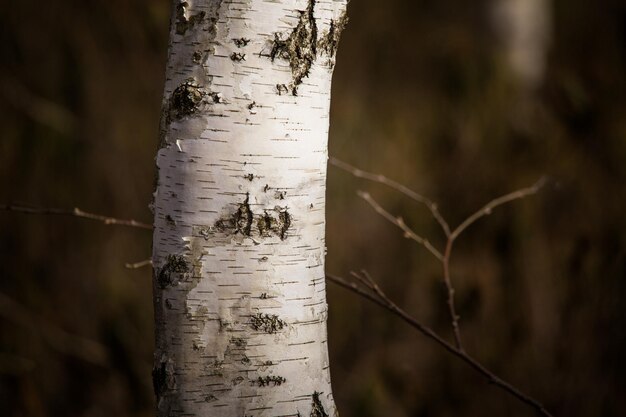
x,y
422,93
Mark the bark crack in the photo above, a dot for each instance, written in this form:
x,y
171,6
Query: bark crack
x,y
318,409
299,47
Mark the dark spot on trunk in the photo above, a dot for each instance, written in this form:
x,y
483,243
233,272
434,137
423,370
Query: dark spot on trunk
x,y
185,100
237,57
282,89
182,22
284,221
241,42
175,267
299,47
318,409
163,379
269,381
268,323
243,218
330,40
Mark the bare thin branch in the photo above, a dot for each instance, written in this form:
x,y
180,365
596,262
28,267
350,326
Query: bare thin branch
x,y
75,212
487,208
383,301
137,265
381,179
399,222
450,295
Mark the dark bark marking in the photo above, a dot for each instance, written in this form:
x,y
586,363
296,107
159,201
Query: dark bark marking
x,y
238,380
268,323
243,218
330,40
237,57
266,224
182,22
268,381
274,222
241,42
216,97
210,398
282,89
284,222
318,409
175,264
185,100
299,47
163,379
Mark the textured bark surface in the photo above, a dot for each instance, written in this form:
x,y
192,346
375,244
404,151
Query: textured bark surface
x,y
239,209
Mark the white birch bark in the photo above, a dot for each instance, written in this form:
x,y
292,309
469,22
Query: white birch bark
x,y
238,248
524,28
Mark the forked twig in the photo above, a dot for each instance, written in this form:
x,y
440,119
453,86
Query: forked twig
x,y
377,296
450,235
137,265
487,208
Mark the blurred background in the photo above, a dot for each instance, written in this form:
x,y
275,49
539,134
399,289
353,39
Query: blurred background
x,y
461,101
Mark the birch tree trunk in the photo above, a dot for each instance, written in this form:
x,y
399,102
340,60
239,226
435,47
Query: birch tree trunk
x,y
239,207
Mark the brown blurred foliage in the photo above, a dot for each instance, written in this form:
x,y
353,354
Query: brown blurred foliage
x,y
423,92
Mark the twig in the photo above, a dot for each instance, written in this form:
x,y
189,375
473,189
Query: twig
x,y
75,212
450,295
139,264
380,298
487,208
381,179
399,222
450,235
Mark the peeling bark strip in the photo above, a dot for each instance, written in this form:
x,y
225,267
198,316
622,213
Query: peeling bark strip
x,y
239,206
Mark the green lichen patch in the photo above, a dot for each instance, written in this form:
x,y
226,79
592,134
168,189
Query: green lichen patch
x,y
330,40
175,266
317,409
184,23
268,323
185,100
299,47
269,381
